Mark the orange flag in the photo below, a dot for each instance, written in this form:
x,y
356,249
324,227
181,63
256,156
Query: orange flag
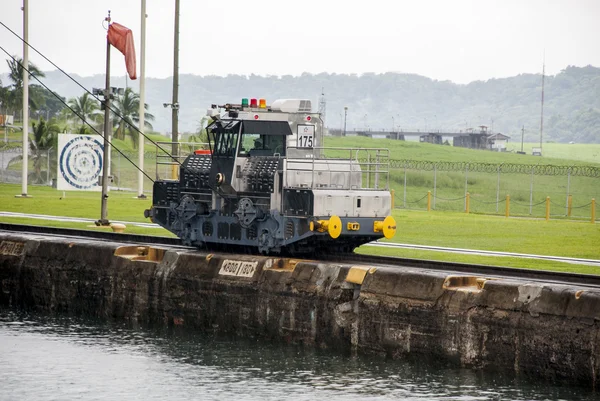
x,y
122,38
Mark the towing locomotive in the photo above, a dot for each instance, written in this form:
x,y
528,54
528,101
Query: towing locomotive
x,y
267,185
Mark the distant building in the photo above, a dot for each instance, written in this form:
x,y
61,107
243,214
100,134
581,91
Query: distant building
x,y
497,142
436,139
473,140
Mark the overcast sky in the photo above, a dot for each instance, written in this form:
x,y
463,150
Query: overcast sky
x,y
457,40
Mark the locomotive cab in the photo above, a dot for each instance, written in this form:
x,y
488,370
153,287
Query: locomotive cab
x,y
267,185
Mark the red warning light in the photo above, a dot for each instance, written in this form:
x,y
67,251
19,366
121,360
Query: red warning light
x,y
256,116
308,118
253,103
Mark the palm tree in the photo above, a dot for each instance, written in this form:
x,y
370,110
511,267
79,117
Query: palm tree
x,y
84,107
15,66
127,116
45,138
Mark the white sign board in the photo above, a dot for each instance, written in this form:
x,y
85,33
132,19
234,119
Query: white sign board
x,y
306,136
238,268
80,160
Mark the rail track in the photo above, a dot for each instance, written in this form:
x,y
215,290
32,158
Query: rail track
x,y
587,280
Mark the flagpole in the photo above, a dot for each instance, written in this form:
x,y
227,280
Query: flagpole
x,y
175,101
25,119
142,109
107,131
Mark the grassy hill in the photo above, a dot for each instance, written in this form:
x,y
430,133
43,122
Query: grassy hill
x,y
554,153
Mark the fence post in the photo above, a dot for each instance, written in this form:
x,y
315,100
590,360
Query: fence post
x,y
531,192
568,190
569,205
405,185
468,202
466,183
368,169
498,189
393,193
507,211
593,210
429,201
547,208
434,183
119,172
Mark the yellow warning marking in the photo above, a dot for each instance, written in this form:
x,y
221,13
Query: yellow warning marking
x,y
143,253
281,264
357,274
465,283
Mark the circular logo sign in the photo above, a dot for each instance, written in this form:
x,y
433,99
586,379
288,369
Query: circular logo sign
x,y
80,162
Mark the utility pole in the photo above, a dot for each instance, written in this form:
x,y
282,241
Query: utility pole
x,y
345,116
25,118
542,116
175,102
522,135
142,109
107,131
322,106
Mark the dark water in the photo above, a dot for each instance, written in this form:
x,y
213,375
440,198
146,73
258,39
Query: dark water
x,y
46,357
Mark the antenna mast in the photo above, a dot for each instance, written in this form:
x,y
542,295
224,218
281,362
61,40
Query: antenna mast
x,y
322,105
542,114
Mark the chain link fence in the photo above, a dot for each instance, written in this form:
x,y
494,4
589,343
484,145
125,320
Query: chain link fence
x,y
487,188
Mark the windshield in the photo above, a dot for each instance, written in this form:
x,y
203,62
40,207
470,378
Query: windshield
x,y
224,138
253,144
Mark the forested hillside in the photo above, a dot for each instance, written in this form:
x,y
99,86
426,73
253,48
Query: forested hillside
x,y
392,100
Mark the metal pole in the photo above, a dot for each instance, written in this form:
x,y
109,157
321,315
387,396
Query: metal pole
x,y
142,109
522,136
107,131
542,112
568,190
48,166
174,102
377,170
498,189
25,98
531,191
119,171
466,183
345,117
405,185
368,170
434,183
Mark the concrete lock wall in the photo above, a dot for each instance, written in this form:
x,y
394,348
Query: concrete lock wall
x,y
540,330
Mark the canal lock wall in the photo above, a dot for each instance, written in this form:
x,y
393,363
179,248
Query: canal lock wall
x,y
540,330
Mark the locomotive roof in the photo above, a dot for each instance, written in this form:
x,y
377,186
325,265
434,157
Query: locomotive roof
x,y
260,127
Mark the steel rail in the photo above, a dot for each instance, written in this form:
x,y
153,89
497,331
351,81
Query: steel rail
x,y
578,261
587,280
99,235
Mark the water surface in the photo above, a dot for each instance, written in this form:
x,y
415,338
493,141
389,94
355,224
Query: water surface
x,y
48,357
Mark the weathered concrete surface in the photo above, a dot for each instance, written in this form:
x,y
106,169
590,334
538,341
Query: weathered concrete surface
x,y
544,330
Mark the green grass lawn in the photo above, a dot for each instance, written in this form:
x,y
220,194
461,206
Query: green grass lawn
x,y
554,154
448,229
45,200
